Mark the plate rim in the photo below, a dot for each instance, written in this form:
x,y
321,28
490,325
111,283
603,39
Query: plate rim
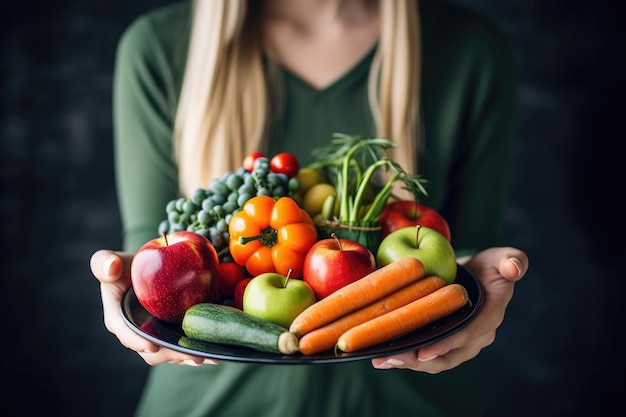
x,y
129,304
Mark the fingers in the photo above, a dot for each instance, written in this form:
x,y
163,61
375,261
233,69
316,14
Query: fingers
x,y
165,355
109,266
112,269
513,264
151,353
437,364
497,269
439,357
114,322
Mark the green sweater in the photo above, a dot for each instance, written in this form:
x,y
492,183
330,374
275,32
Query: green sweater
x,y
468,100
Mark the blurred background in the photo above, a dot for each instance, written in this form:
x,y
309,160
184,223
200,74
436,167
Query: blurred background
x,y
559,350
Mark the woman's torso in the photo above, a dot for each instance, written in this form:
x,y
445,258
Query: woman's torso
x,y
311,116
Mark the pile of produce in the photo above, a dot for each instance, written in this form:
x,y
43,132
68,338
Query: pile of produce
x,y
209,210
298,260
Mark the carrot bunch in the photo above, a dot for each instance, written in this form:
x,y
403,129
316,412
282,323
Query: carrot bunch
x,y
385,304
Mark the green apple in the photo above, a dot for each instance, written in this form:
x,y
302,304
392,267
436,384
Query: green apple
x,y
429,246
277,298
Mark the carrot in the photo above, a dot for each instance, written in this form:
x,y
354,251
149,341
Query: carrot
x,y
326,336
403,320
371,287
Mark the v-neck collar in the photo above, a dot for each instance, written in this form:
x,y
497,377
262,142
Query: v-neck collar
x,y
361,66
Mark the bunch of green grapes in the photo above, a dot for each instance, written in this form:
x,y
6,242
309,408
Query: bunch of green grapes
x,y
209,210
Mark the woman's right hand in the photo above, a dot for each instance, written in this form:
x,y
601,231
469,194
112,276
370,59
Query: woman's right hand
x,y
112,269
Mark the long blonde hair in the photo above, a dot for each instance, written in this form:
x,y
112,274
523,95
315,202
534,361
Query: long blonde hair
x,y
224,105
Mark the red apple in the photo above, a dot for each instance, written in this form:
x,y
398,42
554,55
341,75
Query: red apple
x,y
228,276
240,289
171,273
333,263
403,213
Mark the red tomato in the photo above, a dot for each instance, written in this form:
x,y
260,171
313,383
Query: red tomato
x,y
229,274
240,288
248,162
285,163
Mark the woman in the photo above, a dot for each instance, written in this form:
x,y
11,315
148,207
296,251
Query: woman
x,y
198,86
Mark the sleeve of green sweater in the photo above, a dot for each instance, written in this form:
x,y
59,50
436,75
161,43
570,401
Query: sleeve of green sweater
x,y
146,174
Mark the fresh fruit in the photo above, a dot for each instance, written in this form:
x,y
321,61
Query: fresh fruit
x,y
217,323
240,289
333,263
171,273
314,199
308,177
423,243
209,210
229,274
277,298
248,161
404,213
285,163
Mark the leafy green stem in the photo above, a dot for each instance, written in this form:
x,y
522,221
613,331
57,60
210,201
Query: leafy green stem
x,y
377,206
363,185
350,163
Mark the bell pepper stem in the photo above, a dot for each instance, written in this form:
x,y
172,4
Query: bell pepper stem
x,y
268,237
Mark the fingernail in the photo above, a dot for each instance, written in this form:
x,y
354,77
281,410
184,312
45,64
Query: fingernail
x,y
210,362
190,362
390,363
518,265
430,358
106,266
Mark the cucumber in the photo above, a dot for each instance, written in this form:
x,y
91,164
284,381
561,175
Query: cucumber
x,y
217,323
203,346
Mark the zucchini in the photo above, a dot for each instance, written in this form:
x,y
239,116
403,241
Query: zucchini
x,y
195,344
218,323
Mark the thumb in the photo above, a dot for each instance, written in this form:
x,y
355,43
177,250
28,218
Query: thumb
x,y
109,266
513,265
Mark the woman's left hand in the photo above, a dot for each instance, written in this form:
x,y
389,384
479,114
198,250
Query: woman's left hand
x,y
497,270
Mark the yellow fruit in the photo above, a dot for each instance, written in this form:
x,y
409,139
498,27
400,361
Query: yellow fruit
x,y
308,177
314,198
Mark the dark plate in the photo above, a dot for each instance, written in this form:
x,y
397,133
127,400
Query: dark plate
x,y
172,336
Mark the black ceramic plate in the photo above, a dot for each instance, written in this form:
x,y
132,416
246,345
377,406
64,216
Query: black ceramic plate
x,y
172,336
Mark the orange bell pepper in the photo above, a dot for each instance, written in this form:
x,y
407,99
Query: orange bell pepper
x,y
270,235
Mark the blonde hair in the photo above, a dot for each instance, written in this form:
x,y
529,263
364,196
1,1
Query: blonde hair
x,y
224,105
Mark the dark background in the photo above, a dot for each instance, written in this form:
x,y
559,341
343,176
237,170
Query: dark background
x,y
559,350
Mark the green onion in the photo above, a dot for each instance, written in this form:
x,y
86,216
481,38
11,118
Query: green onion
x,y
350,163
